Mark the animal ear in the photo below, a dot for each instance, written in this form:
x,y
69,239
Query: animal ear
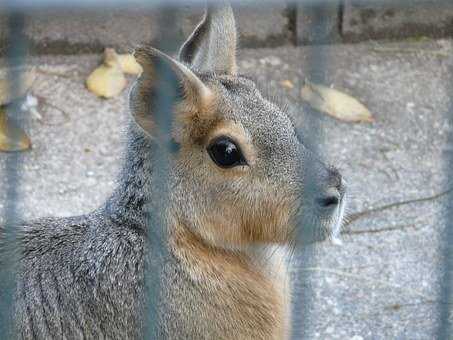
x,y
212,46
164,76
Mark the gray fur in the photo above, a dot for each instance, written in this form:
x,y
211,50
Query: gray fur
x,y
84,277
212,46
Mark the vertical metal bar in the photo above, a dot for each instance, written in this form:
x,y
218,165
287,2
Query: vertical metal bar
x,y
157,233
445,330
8,260
302,309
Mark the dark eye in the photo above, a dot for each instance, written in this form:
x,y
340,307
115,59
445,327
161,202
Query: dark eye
x,y
225,153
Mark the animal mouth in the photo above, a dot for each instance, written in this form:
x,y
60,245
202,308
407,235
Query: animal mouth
x,y
330,225
337,222
316,226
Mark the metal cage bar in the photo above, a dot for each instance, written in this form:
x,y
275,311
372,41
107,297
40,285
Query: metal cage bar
x,y
8,262
302,309
165,100
445,329
94,4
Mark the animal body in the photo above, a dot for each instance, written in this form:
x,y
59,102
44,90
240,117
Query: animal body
x,y
237,184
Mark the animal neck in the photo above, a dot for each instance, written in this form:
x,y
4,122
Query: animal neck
x,y
134,198
269,261
242,279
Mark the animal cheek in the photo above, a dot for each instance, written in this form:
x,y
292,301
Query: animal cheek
x,y
269,222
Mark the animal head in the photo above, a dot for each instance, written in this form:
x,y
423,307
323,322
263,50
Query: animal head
x,y
241,175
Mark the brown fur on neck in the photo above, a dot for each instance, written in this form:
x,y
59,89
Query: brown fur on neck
x,y
253,305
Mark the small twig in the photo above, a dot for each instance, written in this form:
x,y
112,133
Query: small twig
x,y
439,53
353,217
384,154
378,230
65,114
374,265
397,306
368,279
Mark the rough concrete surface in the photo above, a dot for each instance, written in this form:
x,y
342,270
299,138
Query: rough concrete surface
x,y
395,20
383,282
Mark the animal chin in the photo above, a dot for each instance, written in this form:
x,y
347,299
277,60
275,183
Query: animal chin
x,y
337,223
329,227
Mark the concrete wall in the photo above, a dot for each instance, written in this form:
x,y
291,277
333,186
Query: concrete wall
x,y
75,31
72,32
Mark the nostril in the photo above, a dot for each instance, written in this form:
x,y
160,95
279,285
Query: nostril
x,y
328,201
337,181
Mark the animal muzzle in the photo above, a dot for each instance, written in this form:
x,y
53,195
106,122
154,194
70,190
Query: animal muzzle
x,y
324,202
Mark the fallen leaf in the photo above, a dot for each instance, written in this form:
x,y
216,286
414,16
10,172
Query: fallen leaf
x,y
6,97
108,79
129,65
335,103
12,137
287,84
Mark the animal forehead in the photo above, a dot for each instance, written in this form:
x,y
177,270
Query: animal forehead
x,y
240,100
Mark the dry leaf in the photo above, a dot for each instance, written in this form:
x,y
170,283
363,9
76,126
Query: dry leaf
x,y
287,84
12,138
108,79
129,65
335,103
28,77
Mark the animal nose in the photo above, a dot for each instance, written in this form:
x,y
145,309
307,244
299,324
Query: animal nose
x,y
329,201
335,180
335,191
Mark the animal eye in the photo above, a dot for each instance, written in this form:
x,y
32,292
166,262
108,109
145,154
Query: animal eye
x,y
225,153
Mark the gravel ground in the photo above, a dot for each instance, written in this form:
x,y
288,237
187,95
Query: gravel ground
x,y
383,282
